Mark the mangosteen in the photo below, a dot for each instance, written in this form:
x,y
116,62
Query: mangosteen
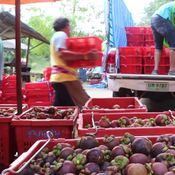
x,y
124,121
114,123
27,171
67,167
104,122
50,157
135,169
171,150
164,138
172,139
120,162
91,167
127,138
141,145
121,150
105,165
79,160
87,142
157,148
167,158
111,141
169,173
159,168
116,106
162,120
95,155
139,158
67,153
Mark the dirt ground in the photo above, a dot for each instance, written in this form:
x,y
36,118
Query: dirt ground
x,y
97,92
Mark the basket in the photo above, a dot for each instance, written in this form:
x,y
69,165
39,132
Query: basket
x,y
7,142
30,130
131,68
86,119
106,105
18,163
163,69
87,63
84,44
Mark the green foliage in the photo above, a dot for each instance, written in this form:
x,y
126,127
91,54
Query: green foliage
x,y
150,9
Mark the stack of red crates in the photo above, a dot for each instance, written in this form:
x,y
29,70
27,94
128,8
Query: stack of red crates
x,y
148,57
130,60
39,93
142,37
139,36
9,89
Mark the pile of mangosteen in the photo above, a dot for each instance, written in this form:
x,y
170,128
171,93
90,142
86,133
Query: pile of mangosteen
x,y
6,112
50,112
126,155
124,121
115,106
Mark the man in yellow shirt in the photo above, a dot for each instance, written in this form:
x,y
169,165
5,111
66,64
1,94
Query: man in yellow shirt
x,y
68,88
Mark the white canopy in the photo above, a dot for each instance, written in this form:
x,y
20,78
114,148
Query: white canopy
x,y
11,44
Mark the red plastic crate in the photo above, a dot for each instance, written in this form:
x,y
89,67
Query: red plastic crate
x,y
135,36
131,69
38,85
7,137
130,51
84,44
87,63
150,60
130,60
86,118
163,69
17,164
148,35
106,105
30,130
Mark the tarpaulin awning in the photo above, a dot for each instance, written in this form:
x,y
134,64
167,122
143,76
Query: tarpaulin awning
x,y
7,29
24,1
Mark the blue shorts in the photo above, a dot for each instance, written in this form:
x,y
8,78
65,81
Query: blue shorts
x,y
162,28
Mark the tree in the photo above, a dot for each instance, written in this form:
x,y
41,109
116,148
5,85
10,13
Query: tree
x,y
150,9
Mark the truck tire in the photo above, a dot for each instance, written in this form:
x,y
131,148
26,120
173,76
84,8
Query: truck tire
x,y
123,92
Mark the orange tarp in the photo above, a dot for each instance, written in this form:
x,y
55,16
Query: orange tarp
x,y
10,2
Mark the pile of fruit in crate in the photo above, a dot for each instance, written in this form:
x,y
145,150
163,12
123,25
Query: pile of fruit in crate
x,y
49,112
6,112
127,155
124,121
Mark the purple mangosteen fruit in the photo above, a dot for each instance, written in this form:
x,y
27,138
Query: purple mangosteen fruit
x,y
157,148
67,167
135,169
87,142
141,145
159,168
95,155
111,141
139,158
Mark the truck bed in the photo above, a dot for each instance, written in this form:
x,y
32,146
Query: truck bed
x,y
141,82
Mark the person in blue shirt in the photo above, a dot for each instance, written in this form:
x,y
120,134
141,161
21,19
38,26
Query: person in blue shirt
x,y
163,27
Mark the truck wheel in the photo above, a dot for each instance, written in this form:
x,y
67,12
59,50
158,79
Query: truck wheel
x,y
123,92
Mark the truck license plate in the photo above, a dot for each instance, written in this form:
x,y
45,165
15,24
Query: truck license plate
x,y
157,86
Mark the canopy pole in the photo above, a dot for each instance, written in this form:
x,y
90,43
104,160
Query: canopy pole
x,y
18,57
